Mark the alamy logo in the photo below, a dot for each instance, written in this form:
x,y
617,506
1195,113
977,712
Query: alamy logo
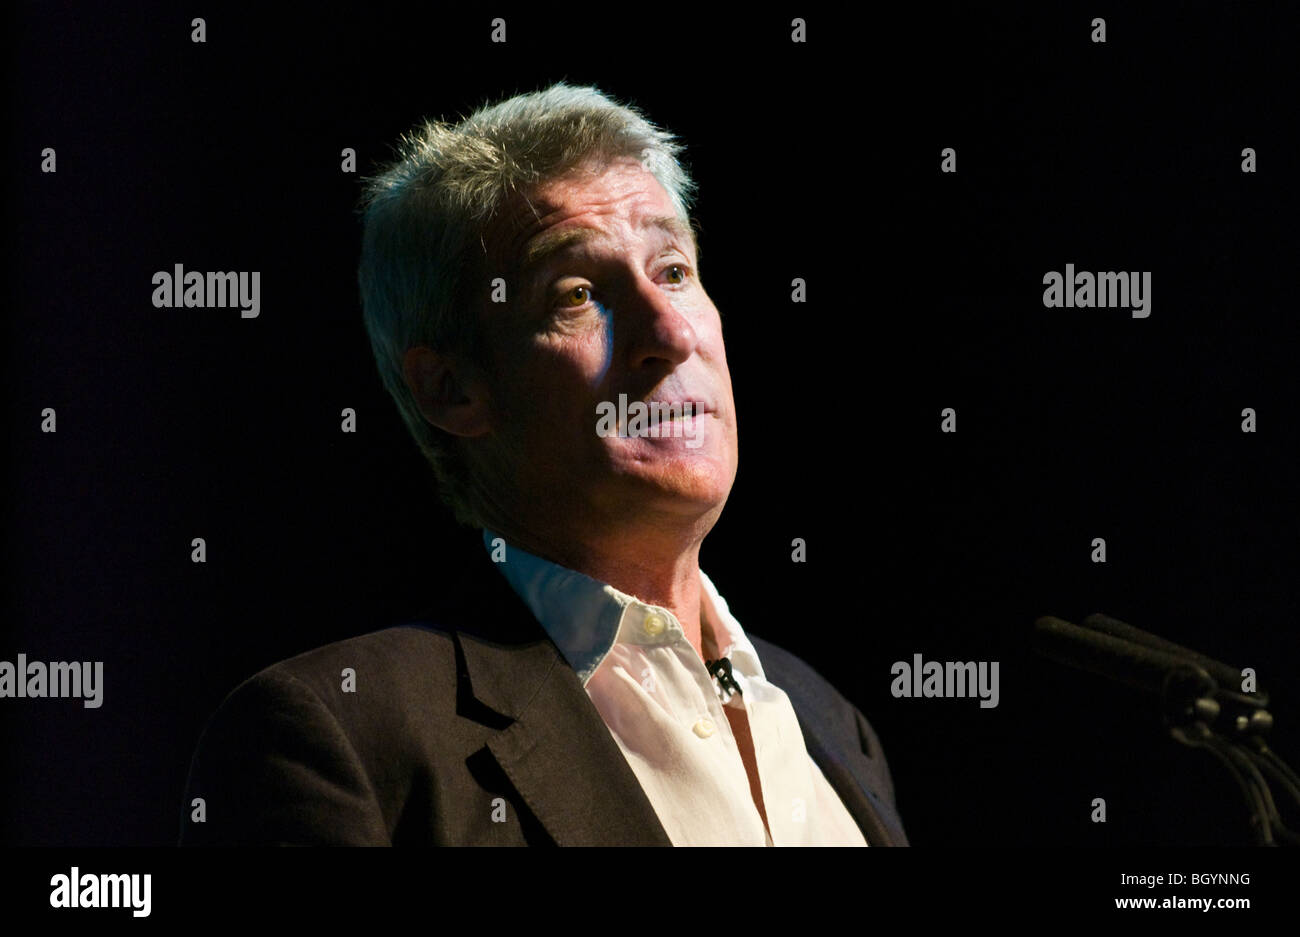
x,y
212,290
1084,290
656,419
69,680
946,679
102,891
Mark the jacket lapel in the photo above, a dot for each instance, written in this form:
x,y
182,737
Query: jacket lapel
x,y
873,816
877,819
551,741
557,751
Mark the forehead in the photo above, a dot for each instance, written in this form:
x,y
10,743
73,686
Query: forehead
x,y
587,201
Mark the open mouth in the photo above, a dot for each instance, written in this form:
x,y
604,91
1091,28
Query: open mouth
x,y
660,412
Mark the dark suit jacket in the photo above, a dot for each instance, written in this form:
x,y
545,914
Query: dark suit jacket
x,y
457,726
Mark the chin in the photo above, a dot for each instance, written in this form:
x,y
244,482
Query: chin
x,y
669,474
684,491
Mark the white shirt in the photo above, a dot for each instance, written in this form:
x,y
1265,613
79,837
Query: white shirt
x,y
661,706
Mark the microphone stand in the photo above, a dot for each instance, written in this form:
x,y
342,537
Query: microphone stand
x,y
1199,711
1231,726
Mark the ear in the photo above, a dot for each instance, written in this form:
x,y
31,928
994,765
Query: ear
x,y
451,394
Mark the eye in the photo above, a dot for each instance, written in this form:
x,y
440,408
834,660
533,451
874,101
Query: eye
x,y
676,274
578,296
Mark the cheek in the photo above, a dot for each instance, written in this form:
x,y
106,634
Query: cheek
x,y
548,394
573,362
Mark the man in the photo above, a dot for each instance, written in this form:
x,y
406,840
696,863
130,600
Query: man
x,y
529,278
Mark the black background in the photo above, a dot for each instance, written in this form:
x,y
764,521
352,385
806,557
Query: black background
x,y
819,161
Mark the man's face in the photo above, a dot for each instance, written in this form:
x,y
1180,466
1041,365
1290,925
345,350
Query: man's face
x,y
605,300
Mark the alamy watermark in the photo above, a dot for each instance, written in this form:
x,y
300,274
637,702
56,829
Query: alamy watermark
x,y
946,679
58,679
210,290
1106,289
76,890
656,419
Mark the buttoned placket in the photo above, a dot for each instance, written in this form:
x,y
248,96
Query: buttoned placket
x,y
652,626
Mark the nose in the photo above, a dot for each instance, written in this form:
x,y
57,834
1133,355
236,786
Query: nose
x,y
659,333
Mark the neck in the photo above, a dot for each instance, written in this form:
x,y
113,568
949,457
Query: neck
x,y
653,566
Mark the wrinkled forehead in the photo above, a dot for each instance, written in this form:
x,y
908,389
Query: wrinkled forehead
x,y
528,213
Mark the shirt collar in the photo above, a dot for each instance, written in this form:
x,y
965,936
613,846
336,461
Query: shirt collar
x,y
585,617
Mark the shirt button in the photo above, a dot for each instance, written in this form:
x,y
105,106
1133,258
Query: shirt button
x,y
704,728
653,625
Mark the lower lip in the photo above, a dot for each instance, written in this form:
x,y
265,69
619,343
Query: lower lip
x,y
682,419
686,429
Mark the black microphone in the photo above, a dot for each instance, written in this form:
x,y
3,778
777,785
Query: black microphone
x,y
720,671
1226,676
1138,666
1128,655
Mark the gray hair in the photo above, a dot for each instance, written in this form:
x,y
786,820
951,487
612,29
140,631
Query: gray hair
x,y
422,248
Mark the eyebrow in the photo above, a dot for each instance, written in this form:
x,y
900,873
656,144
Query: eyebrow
x,y
544,246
